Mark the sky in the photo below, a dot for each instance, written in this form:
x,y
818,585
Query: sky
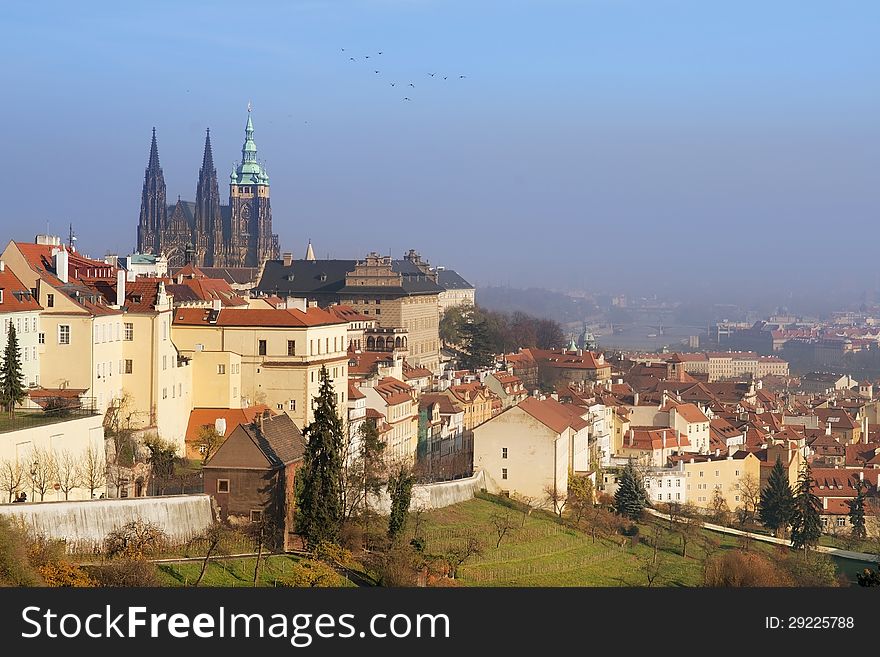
x,y
642,146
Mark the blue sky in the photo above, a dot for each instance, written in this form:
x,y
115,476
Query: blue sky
x,y
607,144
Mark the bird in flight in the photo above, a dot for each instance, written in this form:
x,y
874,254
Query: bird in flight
x,y
380,52
462,76
412,85
343,50
392,84
444,77
352,58
367,56
407,98
375,71
431,74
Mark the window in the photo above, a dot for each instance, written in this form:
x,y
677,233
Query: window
x,y
326,345
128,366
313,377
165,362
41,338
291,348
50,300
841,521
235,391
291,405
504,452
128,333
222,485
678,483
678,496
256,515
311,347
504,473
279,406
164,393
221,369
717,472
736,498
378,311
262,347
64,334
668,496
701,473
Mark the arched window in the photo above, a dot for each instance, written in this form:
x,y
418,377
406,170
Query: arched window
x,y
371,343
380,344
398,342
404,342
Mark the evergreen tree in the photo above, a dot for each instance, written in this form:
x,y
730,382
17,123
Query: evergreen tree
x,y
12,390
319,482
777,503
806,525
630,499
400,484
857,513
477,343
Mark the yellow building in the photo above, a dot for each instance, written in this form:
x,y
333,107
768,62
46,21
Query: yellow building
x,y
707,473
475,399
81,337
281,353
398,403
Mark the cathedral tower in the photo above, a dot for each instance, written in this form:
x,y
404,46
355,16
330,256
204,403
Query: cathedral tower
x,y
251,240
153,215
208,220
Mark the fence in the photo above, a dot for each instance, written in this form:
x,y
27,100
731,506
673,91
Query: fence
x,y
477,572
52,413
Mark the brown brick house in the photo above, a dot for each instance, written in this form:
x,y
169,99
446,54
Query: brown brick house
x,y
252,474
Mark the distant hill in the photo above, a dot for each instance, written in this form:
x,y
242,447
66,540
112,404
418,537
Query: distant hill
x,y
536,301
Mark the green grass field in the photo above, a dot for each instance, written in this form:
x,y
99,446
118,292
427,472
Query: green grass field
x,y
232,572
540,552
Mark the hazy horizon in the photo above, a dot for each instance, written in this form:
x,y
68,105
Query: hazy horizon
x,y
710,149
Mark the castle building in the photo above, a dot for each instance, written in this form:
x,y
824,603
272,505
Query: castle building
x,y
206,233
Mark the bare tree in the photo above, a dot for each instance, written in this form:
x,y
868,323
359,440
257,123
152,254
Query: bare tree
x,y
457,555
688,526
135,540
580,498
503,523
651,566
528,504
69,475
43,470
556,499
213,538
11,477
749,489
93,470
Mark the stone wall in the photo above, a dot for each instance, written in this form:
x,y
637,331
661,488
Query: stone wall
x,y
436,495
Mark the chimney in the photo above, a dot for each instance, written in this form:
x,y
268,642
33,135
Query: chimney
x,y
216,304
631,434
717,451
2,266
220,425
288,258
120,288
664,439
861,475
60,264
864,421
635,399
678,438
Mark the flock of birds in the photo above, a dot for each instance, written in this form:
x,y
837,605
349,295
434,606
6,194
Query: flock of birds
x,y
395,84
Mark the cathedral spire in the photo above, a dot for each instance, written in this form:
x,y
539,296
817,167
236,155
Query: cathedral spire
x,y
208,221
153,210
250,172
310,252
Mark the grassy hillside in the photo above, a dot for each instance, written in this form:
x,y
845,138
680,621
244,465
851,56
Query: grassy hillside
x,y
540,552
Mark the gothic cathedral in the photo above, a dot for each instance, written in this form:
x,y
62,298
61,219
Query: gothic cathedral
x,y
206,233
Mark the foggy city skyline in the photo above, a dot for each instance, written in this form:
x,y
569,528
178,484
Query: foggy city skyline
x,y
607,146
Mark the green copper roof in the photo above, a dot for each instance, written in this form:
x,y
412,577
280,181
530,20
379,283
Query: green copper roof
x,y
250,171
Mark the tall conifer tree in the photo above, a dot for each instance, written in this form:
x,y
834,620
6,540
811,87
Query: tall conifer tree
x,y
630,499
319,482
12,390
806,524
777,503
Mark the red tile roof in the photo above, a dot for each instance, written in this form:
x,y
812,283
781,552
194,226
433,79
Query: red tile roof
x,y
257,317
16,297
691,413
206,417
557,417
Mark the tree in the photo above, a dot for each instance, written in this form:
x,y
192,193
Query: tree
x,y
451,322
364,472
213,538
857,513
69,474
161,460
11,478
319,490
527,505
720,510
556,499
868,577
630,499
806,523
12,390
580,497
43,470
137,539
749,489
502,523
688,526
736,568
400,484
93,470
476,339
208,441
263,533
777,503
458,554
